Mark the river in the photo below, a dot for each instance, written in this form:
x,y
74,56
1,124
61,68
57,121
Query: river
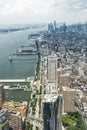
x,y
9,43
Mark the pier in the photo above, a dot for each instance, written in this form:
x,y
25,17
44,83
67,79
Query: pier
x,y
14,57
24,53
29,79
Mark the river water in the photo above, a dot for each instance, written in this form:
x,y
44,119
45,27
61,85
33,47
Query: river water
x,y
9,43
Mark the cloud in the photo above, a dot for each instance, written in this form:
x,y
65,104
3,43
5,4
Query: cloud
x,y
78,4
26,6
42,10
71,4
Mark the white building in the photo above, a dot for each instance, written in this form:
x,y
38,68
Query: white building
x,y
52,69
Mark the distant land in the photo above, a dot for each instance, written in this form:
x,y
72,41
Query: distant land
x,y
6,29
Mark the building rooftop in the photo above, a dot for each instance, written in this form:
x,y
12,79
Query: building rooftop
x,y
50,97
51,87
60,69
67,89
53,55
20,107
66,74
13,104
2,112
15,113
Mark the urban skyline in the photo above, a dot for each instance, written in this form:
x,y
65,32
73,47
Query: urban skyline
x,y
58,90
43,83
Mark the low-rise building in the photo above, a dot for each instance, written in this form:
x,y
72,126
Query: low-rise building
x,y
20,107
15,120
64,80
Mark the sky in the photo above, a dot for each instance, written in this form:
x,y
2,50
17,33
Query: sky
x,y
42,11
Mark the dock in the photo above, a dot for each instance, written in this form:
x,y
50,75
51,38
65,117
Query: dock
x,y
14,57
29,79
23,53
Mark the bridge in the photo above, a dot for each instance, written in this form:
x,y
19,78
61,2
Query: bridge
x,y
29,79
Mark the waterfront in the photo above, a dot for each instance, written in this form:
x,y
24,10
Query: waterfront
x,y
9,43
17,69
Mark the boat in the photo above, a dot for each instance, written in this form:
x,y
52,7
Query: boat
x,y
10,57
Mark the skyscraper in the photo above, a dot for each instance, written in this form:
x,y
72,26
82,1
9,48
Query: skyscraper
x,y
52,69
50,111
55,26
50,27
64,28
68,100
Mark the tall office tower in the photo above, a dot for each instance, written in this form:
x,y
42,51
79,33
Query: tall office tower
x,y
50,27
4,124
60,71
50,112
52,69
68,100
55,26
79,27
15,120
2,96
64,27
